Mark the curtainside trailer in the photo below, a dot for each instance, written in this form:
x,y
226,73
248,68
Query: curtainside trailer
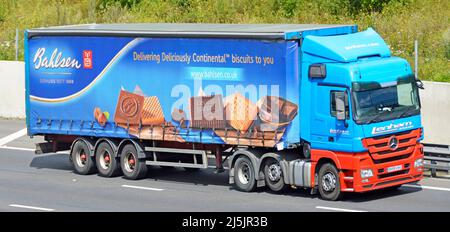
x,y
323,107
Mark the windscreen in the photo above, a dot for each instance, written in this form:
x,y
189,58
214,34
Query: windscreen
x,y
376,102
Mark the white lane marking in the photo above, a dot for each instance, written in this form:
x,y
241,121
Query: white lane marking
x,y
427,187
439,179
31,207
213,157
17,148
13,136
140,187
29,149
339,209
213,166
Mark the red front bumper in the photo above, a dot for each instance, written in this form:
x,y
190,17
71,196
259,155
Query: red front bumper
x,y
390,167
385,174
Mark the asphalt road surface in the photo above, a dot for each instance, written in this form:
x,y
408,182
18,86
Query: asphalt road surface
x,y
30,182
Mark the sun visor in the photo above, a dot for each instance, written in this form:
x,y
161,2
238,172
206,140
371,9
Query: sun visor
x,y
347,48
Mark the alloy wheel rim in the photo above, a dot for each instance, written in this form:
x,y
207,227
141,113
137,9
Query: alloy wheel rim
x,y
81,158
329,182
105,160
129,162
274,172
244,174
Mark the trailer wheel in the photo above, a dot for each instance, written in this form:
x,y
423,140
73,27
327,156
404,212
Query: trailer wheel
x,y
82,160
329,184
274,176
244,175
107,164
133,168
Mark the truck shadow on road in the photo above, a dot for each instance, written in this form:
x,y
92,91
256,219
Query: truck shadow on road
x,y
180,175
52,161
207,177
378,194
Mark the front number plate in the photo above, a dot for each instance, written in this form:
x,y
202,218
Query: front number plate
x,y
394,168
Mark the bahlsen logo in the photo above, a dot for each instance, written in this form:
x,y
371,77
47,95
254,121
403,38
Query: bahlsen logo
x,y
56,60
391,127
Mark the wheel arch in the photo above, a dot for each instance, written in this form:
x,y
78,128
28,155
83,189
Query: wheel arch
x,y
140,148
89,142
283,158
321,161
112,142
320,156
254,156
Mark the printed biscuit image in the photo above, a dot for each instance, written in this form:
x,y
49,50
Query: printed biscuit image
x,y
240,112
275,113
168,132
129,108
207,112
253,138
97,113
132,129
152,113
100,117
179,116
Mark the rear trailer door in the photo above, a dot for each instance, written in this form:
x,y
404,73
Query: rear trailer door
x,y
221,91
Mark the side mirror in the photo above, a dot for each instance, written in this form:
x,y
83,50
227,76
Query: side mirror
x,y
341,111
419,84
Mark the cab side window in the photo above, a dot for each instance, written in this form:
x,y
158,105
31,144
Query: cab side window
x,y
333,103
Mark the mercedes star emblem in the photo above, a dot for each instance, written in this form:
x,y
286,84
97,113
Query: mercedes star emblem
x,y
393,143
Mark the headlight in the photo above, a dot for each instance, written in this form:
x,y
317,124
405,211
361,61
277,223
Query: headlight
x,y
366,173
418,163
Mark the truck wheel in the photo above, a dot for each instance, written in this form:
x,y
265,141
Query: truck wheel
x,y
244,175
83,161
133,168
329,184
107,164
274,176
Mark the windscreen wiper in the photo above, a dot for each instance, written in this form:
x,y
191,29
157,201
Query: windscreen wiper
x,y
375,118
404,113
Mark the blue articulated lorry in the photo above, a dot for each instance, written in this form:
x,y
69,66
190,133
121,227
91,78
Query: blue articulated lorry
x,y
323,107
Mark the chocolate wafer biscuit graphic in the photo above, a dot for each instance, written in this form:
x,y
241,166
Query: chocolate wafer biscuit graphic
x,y
275,112
207,112
240,112
179,116
152,113
129,108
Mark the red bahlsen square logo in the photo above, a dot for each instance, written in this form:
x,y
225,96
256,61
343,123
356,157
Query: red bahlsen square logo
x,y
87,59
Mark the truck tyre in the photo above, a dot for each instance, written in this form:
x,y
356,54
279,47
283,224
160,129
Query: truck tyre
x,y
107,163
274,176
244,175
329,184
133,168
82,160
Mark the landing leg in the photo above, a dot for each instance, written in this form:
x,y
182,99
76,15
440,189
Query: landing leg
x,y
219,166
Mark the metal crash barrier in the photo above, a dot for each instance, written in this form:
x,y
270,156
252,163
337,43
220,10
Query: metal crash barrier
x,y
437,158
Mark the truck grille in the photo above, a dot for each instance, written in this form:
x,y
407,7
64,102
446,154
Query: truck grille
x,y
381,152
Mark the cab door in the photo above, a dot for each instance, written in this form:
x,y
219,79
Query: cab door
x,y
327,132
